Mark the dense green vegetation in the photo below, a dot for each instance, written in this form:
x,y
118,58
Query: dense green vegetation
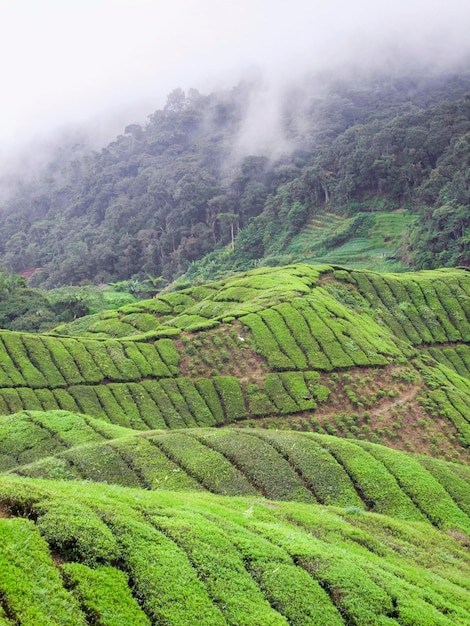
x,y
120,557
281,466
212,455
376,175
378,357
279,436
36,310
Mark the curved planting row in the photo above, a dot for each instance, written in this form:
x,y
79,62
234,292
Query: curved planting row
x,y
133,384
127,557
318,333
456,358
280,466
200,307
321,322
428,307
450,394
424,307
51,362
31,435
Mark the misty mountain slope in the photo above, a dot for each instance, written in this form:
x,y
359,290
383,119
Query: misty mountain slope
x,y
170,192
378,357
365,240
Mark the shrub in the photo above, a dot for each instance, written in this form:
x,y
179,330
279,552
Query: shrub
x,y
104,593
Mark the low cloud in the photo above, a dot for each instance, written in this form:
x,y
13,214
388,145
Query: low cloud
x,y
103,64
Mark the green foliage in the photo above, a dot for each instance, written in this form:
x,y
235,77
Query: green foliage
x,y
426,493
157,200
231,397
275,390
256,459
378,487
258,402
168,354
157,566
104,594
205,465
16,351
327,479
284,338
173,392
30,584
77,532
155,546
266,343
300,390
198,407
293,592
208,392
453,478
146,458
242,560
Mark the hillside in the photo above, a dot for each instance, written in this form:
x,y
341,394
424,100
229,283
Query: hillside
x,y
310,468
285,446
108,555
383,357
382,160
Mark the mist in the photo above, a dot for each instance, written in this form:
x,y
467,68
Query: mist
x,y
79,72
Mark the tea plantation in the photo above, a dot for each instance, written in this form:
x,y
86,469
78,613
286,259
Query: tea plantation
x,y
285,446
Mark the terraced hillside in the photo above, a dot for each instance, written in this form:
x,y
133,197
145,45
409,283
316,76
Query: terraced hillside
x,y
366,240
377,357
107,555
211,456
304,467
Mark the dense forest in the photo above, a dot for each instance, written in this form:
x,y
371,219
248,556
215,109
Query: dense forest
x,y
168,193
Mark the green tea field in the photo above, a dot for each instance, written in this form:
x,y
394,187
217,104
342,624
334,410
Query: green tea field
x,y
286,446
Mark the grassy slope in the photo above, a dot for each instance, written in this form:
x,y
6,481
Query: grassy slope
x,y
112,556
243,525
329,238
378,357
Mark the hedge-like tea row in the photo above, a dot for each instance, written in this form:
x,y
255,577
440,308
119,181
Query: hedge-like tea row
x,y
154,558
176,402
320,334
199,307
323,320
454,478
421,308
457,358
428,307
45,362
278,465
31,586
31,435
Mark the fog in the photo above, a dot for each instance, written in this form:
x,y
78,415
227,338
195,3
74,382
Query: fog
x,y
81,70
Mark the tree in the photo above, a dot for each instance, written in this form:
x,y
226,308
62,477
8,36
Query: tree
x,y
230,219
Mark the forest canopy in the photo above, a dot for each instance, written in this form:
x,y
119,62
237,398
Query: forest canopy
x,y
165,194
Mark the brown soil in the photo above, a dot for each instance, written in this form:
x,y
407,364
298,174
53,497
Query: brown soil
x,y
4,512
384,409
202,354
384,403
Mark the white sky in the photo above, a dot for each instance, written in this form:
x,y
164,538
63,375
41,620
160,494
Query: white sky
x,y
65,61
